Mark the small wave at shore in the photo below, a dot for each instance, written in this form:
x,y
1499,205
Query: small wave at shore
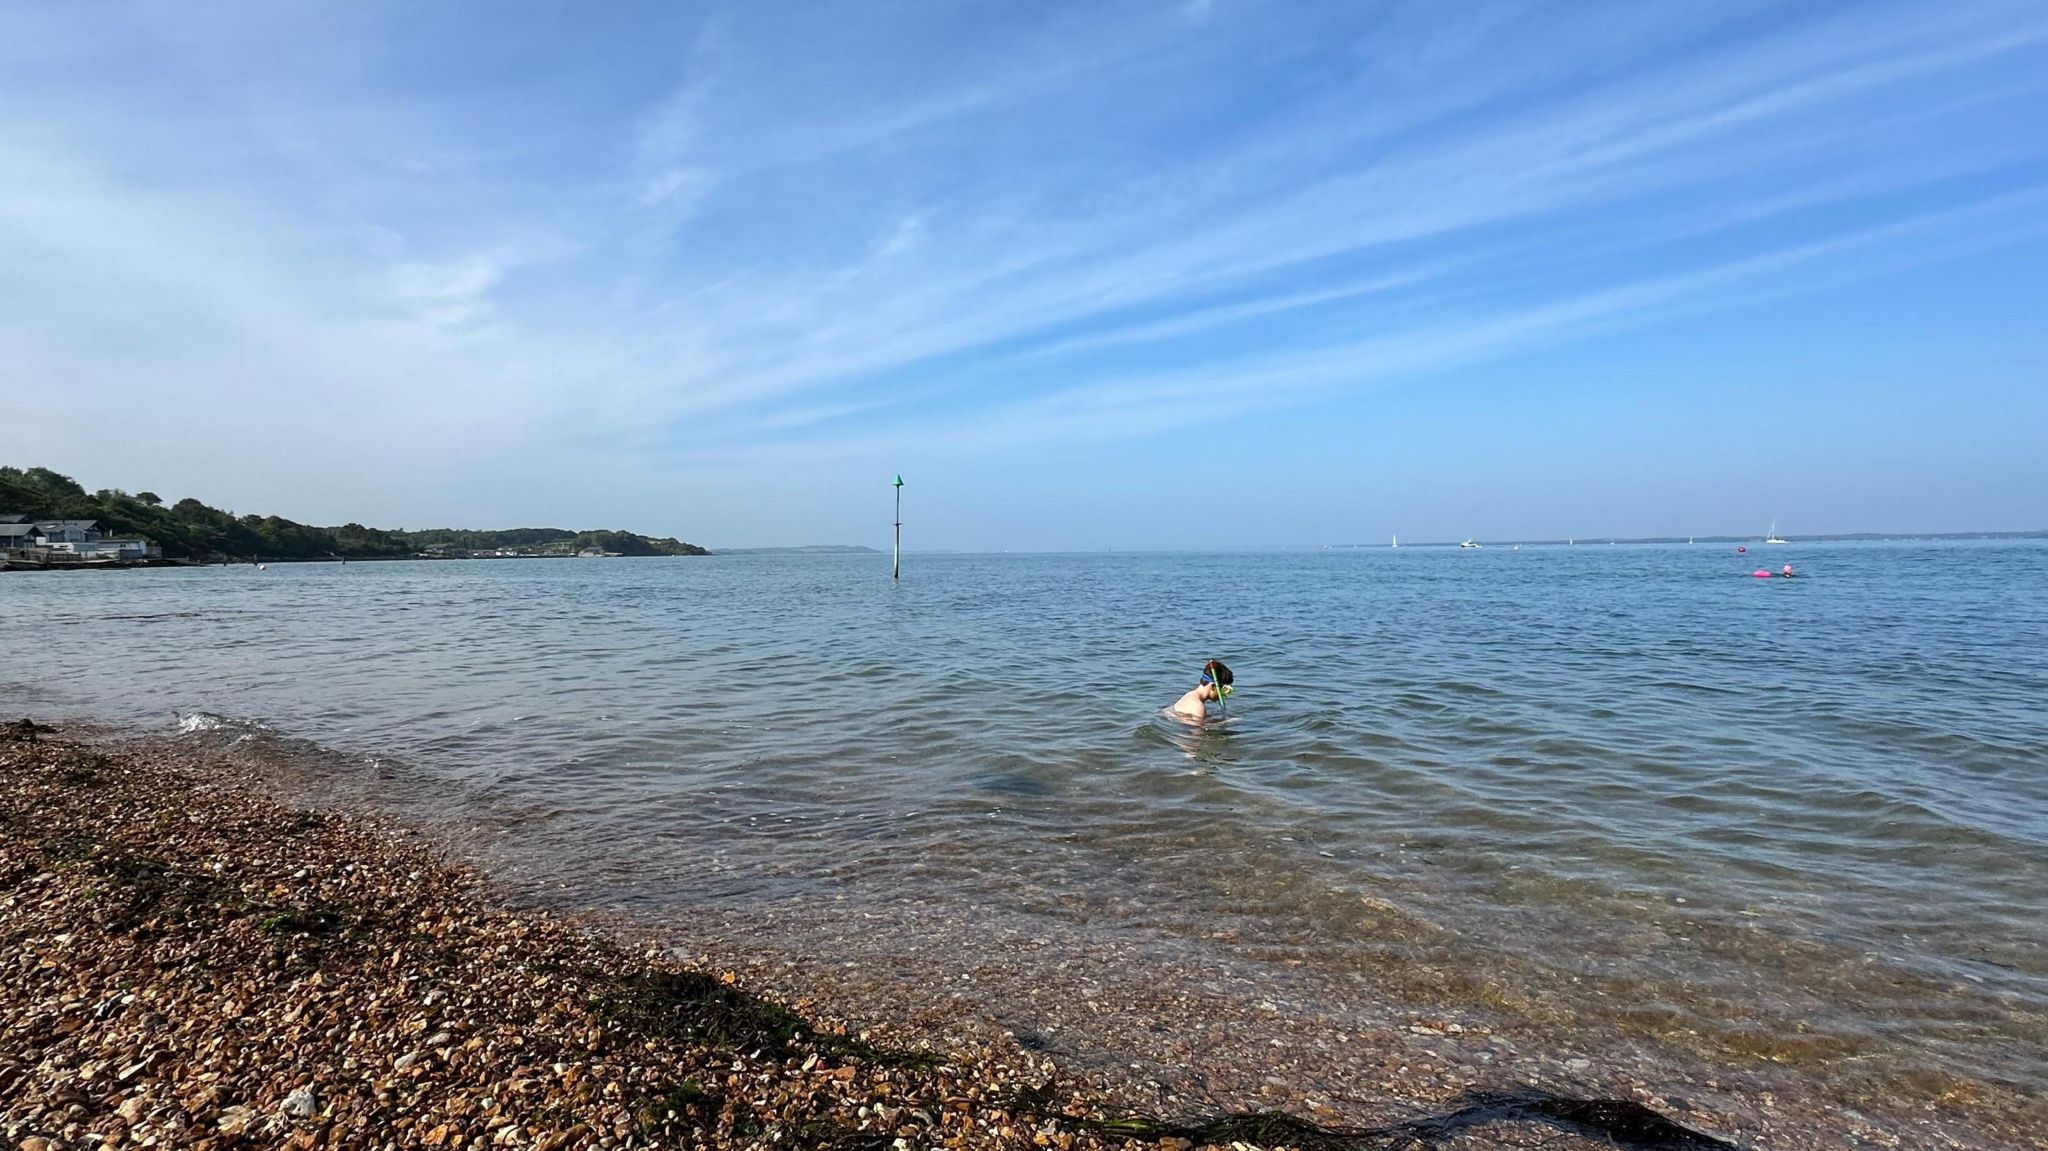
x,y
1376,955
205,721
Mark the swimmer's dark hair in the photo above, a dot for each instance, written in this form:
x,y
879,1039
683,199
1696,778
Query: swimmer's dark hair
x,y
1215,668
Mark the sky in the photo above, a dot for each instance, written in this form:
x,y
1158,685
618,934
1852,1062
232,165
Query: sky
x,y
1136,275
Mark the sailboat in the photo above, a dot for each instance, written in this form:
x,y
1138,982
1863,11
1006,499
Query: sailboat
x,y
1773,537
1397,541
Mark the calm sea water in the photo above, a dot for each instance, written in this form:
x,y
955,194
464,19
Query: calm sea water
x,y
1623,787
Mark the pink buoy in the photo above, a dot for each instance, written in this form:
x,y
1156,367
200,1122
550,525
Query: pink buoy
x,y
1761,574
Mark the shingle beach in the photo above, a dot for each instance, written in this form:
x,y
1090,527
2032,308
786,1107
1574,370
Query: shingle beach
x,y
189,961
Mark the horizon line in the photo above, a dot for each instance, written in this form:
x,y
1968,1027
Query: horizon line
x,y
1565,541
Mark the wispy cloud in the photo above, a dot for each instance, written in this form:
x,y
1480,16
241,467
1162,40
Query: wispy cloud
x,y
1196,320
907,233
447,295
1125,406
1006,279
685,186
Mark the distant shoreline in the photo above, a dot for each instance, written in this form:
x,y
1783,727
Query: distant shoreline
x,y
17,563
190,530
23,565
1838,537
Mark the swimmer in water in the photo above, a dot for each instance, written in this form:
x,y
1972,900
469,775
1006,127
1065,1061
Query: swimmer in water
x,y
1787,573
1216,680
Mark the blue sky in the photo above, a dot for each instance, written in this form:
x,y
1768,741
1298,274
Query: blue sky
x,y
1089,275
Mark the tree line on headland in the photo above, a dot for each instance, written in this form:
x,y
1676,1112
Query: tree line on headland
x,y
191,530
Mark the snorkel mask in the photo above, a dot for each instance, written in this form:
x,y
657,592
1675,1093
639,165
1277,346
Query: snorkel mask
x,y
1222,689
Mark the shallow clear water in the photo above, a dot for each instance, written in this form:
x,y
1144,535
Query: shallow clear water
x,y
1608,787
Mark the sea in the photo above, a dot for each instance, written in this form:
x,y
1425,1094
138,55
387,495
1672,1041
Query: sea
x,y
1630,790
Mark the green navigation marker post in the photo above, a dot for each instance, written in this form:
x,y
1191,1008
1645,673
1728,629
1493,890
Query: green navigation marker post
x,y
896,557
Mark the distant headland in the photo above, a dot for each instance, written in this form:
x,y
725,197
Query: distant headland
x,y
49,519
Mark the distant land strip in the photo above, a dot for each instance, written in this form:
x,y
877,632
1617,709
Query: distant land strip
x,y
1837,537
191,531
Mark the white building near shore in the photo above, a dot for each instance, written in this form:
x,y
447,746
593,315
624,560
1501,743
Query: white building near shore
x,y
81,539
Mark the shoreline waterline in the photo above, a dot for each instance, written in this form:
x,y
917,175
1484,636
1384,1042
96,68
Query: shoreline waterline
x,y
202,964
1150,1028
